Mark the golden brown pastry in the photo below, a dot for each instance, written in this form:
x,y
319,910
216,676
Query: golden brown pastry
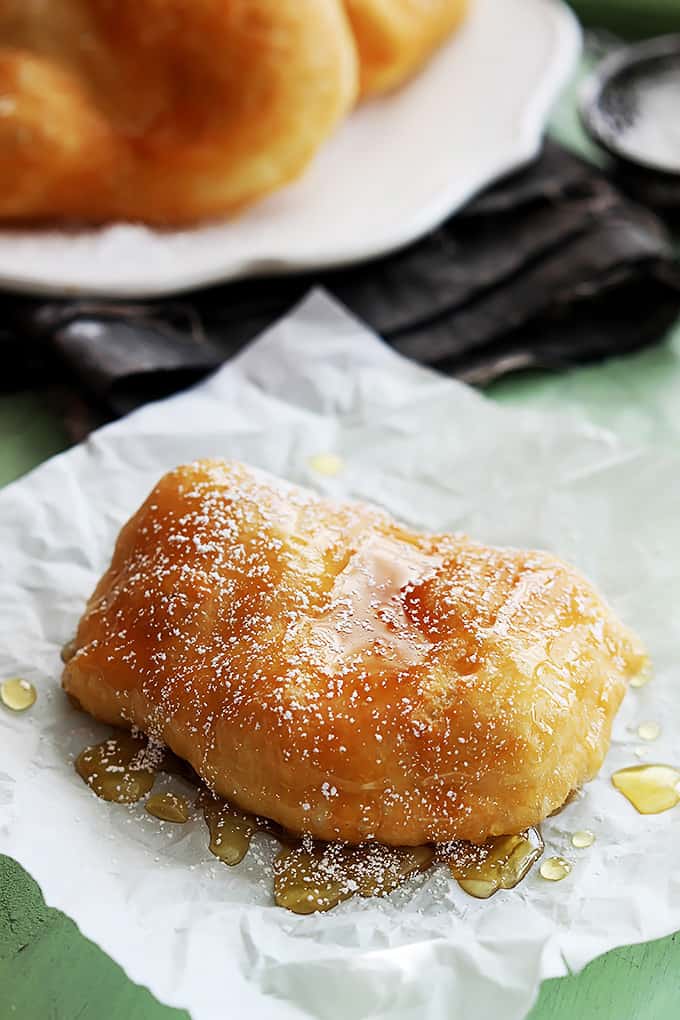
x,y
323,666
395,37
165,111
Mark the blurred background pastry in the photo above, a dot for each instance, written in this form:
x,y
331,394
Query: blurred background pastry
x,y
173,111
165,111
395,37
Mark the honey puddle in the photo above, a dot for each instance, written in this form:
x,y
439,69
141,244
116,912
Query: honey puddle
x,y
309,875
313,876
555,869
500,863
582,839
18,694
230,829
651,789
122,769
168,807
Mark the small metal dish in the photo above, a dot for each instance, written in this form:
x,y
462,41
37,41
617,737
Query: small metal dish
x,y
630,106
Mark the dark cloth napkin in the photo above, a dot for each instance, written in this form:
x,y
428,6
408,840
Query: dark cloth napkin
x,y
550,267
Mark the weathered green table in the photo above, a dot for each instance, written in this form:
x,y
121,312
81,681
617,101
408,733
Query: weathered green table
x,y
48,971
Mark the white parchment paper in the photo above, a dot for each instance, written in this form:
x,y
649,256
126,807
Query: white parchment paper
x,y
439,456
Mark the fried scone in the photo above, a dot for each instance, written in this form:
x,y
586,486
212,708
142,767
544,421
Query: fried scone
x,y
164,111
395,37
325,667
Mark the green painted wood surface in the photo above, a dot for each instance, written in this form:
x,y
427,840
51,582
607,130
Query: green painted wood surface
x,y
631,17
49,971
28,434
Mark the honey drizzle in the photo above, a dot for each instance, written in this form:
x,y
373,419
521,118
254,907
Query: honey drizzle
x,y
230,829
121,769
313,876
651,789
500,863
168,807
309,875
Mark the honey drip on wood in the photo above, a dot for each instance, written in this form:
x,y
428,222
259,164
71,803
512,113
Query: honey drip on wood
x,y
500,863
651,789
309,875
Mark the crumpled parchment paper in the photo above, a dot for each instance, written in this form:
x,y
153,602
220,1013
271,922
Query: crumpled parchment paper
x,y
439,456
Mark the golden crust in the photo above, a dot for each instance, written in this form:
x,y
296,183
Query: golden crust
x,y
321,665
165,111
396,37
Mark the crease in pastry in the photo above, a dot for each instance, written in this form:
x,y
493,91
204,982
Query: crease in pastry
x,y
320,665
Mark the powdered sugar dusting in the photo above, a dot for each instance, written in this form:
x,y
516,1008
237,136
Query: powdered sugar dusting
x,y
321,665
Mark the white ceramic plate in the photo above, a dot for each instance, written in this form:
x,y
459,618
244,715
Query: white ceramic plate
x,y
396,168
